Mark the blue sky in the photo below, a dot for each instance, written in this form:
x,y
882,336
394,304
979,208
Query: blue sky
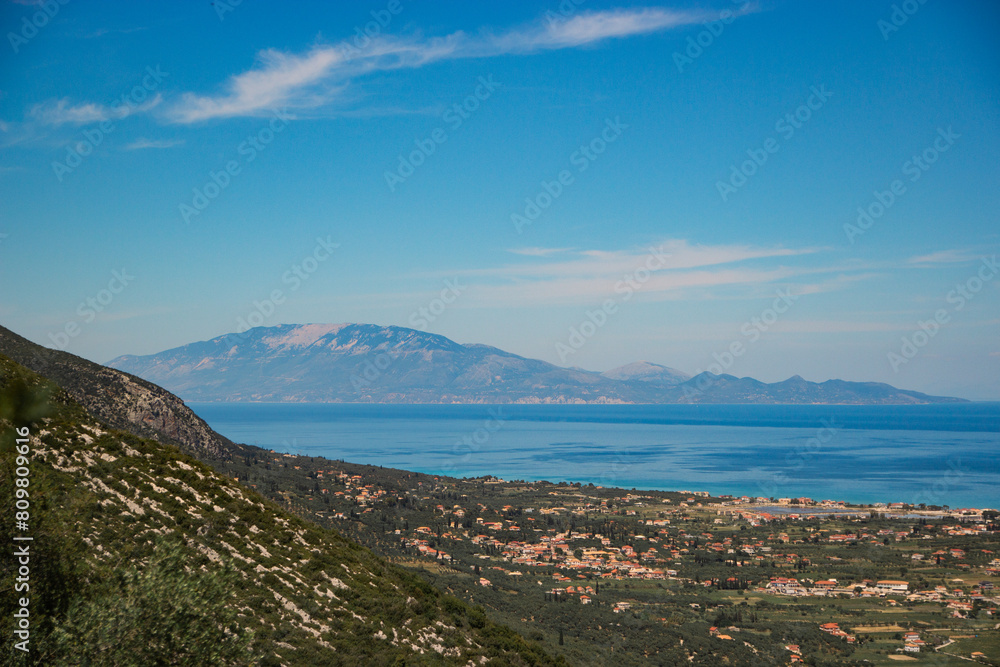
x,y
589,184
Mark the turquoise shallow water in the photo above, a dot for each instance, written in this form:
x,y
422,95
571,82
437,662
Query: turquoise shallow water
x,y
935,454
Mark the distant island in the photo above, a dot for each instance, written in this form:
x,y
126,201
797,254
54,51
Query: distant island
x,y
368,363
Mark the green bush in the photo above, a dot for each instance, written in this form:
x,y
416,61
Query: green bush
x,y
157,615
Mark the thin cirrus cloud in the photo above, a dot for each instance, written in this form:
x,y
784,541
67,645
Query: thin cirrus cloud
x,y
679,254
280,79
62,112
143,143
594,27
538,252
671,270
943,257
698,285
313,79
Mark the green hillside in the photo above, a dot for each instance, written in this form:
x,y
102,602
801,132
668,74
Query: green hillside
x,y
143,555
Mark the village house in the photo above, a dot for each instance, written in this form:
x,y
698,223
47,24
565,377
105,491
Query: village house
x,y
893,587
834,630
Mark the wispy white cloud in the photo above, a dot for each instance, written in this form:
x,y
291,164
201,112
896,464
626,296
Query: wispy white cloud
x,y
537,252
143,142
591,27
672,270
101,32
278,80
319,76
314,78
62,112
944,257
593,289
682,255
57,112
837,326
377,112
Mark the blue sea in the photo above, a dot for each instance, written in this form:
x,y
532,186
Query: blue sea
x,y
946,454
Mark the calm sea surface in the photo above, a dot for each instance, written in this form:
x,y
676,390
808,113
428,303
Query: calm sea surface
x,y
934,454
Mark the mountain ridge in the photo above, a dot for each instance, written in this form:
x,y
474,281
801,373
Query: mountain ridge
x,y
119,399
367,363
647,372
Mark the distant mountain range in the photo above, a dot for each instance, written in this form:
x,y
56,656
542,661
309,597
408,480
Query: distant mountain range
x,y
367,363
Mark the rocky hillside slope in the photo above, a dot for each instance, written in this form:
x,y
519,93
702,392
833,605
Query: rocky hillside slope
x,y
163,528
119,399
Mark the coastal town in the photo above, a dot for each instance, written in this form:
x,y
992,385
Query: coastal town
x,y
886,581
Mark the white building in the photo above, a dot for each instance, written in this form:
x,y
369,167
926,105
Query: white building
x,y
892,586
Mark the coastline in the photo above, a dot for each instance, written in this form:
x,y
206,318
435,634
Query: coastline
x,y
629,447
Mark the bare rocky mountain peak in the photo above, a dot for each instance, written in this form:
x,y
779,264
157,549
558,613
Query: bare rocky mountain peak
x,y
368,363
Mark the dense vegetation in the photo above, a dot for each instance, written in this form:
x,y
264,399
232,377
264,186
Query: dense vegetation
x,y
457,531
142,555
